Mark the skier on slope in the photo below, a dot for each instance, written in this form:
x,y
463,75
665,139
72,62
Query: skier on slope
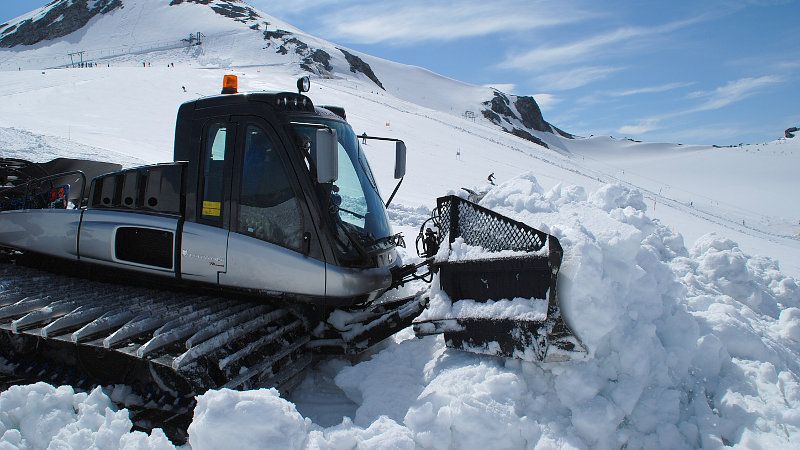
x,y
490,178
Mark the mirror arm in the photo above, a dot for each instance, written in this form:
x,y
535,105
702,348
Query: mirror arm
x,y
391,197
376,138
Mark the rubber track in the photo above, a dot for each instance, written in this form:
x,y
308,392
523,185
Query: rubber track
x,y
170,345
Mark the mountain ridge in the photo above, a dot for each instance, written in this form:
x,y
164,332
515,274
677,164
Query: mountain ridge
x,y
238,34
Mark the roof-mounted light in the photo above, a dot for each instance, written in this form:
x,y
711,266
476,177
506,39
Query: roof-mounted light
x,y
230,84
303,84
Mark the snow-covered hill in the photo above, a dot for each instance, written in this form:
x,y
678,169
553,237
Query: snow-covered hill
x,y
694,337
230,33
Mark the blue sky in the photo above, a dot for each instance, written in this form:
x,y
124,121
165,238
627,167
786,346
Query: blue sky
x,y
714,71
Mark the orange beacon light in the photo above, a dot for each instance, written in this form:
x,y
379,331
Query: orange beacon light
x,y
230,84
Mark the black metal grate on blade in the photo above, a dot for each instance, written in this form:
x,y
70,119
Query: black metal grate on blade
x,y
485,228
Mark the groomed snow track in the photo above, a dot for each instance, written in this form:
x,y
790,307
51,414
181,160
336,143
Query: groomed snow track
x,y
166,346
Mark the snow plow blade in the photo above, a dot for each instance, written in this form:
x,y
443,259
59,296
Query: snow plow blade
x,y
527,280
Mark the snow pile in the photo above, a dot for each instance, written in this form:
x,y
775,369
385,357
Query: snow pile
x,y
533,309
689,348
261,419
21,144
654,316
42,416
613,196
461,251
265,416
746,363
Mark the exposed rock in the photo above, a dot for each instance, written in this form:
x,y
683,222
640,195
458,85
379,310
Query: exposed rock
x,y
318,58
521,119
562,132
61,18
316,61
358,65
8,30
277,34
300,47
530,114
499,104
526,135
492,116
232,9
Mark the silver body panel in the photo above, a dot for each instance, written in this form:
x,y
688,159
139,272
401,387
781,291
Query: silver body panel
x,y
208,254
256,264
98,233
49,231
203,252
343,282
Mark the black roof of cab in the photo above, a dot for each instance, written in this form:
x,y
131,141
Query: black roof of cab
x,y
287,102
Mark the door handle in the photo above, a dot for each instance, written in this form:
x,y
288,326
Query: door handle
x,y
306,243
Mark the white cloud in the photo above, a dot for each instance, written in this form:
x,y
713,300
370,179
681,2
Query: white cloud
x,y
648,89
508,88
416,21
727,94
552,55
546,101
573,78
733,92
643,126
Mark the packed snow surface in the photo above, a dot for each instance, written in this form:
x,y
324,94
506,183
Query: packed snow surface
x,y
690,347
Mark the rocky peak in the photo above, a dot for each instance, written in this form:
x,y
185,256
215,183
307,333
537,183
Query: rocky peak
x,y
232,9
315,60
59,18
358,65
519,115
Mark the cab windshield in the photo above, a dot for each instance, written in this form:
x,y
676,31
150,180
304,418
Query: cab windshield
x,y
353,199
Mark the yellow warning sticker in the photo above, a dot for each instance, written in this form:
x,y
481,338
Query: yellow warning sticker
x,y
212,208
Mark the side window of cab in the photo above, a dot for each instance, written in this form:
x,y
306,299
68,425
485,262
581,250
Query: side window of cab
x,y
268,206
215,152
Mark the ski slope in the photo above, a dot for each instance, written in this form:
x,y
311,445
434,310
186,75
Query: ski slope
x,y
694,342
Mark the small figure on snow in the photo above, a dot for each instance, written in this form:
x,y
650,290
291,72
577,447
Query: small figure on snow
x,y
364,138
458,154
490,178
184,88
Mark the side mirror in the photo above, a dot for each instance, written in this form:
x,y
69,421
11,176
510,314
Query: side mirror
x,y
400,160
327,156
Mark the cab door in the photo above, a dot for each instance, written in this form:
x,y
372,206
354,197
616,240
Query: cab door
x,y
204,240
273,240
